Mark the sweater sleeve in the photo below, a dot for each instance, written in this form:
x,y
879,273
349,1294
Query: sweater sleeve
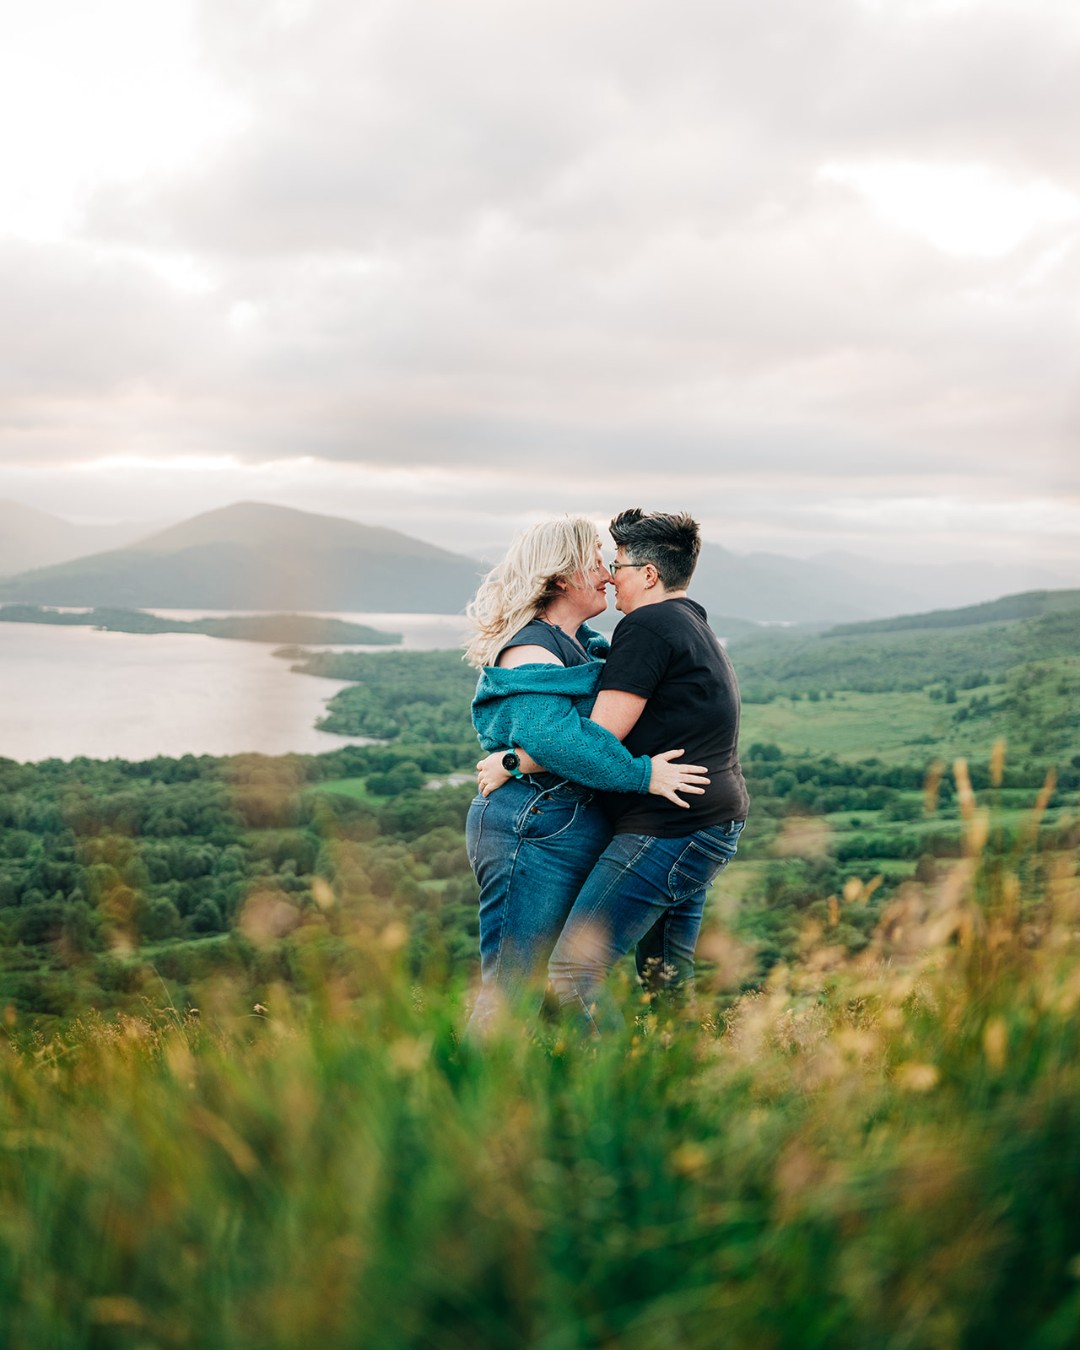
x,y
558,734
596,644
558,737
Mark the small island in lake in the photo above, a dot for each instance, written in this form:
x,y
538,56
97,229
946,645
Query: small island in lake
x,y
302,629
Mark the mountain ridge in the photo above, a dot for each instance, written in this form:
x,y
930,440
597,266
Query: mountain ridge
x,y
258,556
30,538
248,521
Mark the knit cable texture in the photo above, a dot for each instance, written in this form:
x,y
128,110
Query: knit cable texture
x,y
545,710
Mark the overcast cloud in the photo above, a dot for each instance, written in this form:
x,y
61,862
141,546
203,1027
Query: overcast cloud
x,y
810,268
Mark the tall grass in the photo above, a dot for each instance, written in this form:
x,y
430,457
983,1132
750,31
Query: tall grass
x,y
879,1153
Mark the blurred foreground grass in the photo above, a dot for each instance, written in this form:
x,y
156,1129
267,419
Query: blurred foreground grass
x,y
875,1152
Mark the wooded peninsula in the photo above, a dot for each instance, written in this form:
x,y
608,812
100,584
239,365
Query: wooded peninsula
x,y
294,629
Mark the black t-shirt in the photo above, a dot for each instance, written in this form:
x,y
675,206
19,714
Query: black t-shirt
x,y
668,654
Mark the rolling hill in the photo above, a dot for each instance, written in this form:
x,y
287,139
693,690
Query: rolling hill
x,y
962,647
30,538
259,557
1028,605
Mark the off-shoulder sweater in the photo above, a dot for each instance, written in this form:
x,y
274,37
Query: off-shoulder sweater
x,y
545,710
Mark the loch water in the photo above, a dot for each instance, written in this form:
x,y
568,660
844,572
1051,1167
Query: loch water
x,y
68,692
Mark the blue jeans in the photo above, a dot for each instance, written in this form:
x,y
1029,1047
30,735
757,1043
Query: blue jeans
x,y
646,893
531,844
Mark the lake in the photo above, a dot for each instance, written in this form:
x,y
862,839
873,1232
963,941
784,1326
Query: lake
x,y
66,692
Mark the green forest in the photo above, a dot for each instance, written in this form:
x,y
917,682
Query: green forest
x,y
238,1112
123,881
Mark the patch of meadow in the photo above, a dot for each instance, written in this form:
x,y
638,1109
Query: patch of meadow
x,y
877,1150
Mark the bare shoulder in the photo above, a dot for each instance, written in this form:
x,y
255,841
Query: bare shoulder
x,y
527,656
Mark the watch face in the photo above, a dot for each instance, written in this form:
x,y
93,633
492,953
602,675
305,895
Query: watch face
x,y
510,761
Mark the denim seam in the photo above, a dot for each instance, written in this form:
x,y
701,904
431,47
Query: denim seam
x,y
502,931
479,835
601,899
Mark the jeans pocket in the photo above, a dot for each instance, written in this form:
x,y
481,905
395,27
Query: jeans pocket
x,y
706,854
548,818
719,841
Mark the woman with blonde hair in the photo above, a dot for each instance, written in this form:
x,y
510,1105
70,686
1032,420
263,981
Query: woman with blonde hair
x,y
533,843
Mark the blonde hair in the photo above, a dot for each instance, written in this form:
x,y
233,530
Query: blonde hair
x,y
526,580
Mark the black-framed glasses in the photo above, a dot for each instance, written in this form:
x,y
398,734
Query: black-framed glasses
x,y
613,567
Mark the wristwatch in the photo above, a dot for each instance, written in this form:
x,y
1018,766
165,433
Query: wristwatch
x,y
512,764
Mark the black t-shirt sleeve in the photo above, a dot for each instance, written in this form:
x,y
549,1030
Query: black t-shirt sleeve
x,y
638,659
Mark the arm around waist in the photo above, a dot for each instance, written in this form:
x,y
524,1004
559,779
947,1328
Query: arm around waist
x,y
544,710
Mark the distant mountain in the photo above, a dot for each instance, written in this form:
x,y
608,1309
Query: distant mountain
x,y
839,587
769,588
942,585
30,538
252,556
766,588
258,557
834,587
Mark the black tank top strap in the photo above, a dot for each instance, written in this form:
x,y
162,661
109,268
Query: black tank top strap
x,y
538,633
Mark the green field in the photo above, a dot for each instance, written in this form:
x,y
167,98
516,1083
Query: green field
x,y
897,727
902,727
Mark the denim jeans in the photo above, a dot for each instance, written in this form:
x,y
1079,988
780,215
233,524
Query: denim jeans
x,y
646,893
531,844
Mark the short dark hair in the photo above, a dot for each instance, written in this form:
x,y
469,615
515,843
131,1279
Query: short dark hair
x,y
670,542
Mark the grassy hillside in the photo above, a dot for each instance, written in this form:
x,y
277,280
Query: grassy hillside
x,y
896,656
869,1153
1028,605
238,1112
1032,707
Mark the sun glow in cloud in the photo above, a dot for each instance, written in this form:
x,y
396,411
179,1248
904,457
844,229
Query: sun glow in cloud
x,y
98,92
446,507
1021,516
959,208
157,464
599,280
180,271
950,525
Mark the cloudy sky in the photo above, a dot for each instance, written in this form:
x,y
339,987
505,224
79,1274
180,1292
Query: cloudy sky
x,y
810,268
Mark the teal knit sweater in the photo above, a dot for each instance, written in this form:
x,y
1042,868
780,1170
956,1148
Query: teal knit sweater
x,y
545,710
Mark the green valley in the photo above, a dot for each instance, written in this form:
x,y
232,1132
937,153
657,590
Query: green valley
x,y
239,1111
